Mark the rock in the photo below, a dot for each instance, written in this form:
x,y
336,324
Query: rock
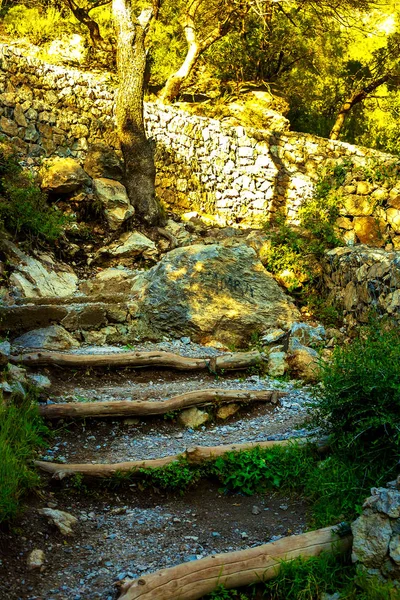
x,y
70,49
273,336
179,232
304,362
227,410
32,278
211,292
130,244
62,176
102,162
371,537
35,560
394,548
370,231
109,282
42,382
393,217
62,520
54,337
114,198
357,206
5,350
385,501
306,334
16,373
193,417
277,364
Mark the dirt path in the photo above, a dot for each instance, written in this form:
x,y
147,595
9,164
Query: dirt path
x,y
127,532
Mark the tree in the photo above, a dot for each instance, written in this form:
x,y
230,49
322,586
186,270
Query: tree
x,y
384,69
82,13
204,22
140,171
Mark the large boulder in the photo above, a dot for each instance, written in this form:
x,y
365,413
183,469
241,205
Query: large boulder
x,y
102,161
62,176
54,337
211,292
131,244
112,195
32,278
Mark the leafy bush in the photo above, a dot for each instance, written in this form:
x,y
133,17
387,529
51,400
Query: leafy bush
x,y
23,207
174,477
21,432
359,401
36,24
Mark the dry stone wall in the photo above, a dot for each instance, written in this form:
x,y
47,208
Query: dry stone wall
x,y
237,175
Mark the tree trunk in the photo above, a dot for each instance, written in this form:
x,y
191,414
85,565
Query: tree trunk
x,y
357,97
174,82
138,155
83,17
132,408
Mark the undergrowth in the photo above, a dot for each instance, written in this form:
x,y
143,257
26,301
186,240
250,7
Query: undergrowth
x,y
22,432
311,579
24,211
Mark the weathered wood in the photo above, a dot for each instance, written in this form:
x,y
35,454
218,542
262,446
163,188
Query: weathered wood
x,y
231,361
194,455
195,579
131,408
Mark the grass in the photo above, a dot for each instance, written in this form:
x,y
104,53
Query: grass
x,y
310,579
22,432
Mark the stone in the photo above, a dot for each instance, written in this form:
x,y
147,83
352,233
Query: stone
x,y
371,537
304,362
19,116
193,417
227,410
33,278
131,244
8,127
357,206
364,188
42,382
273,336
54,337
385,501
35,560
394,548
370,231
62,176
344,223
5,351
108,282
114,198
307,334
210,292
102,162
62,520
277,364
393,217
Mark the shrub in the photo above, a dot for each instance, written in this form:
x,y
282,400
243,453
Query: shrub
x,y
23,206
359,400
22,431
36,24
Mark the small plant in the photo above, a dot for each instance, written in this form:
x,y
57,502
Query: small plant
x,y
174,477
22,432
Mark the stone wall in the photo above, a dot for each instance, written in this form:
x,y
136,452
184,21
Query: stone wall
x,y
363,279
203,165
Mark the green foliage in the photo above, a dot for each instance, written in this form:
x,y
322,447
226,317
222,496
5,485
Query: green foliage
x,y
174,477
308,579
23,207
221,593
359,400
22,432
36,23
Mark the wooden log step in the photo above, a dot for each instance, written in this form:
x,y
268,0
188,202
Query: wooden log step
x,y
123,408
231,361
195,455
193,580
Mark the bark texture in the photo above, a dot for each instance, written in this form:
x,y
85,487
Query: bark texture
x,y
125,408
231,361
138,155
195,579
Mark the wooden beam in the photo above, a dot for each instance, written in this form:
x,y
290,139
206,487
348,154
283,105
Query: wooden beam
x,y
193,580
124,408
231,361
195,455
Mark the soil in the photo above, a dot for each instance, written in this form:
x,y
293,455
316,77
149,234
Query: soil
x,y
130,531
